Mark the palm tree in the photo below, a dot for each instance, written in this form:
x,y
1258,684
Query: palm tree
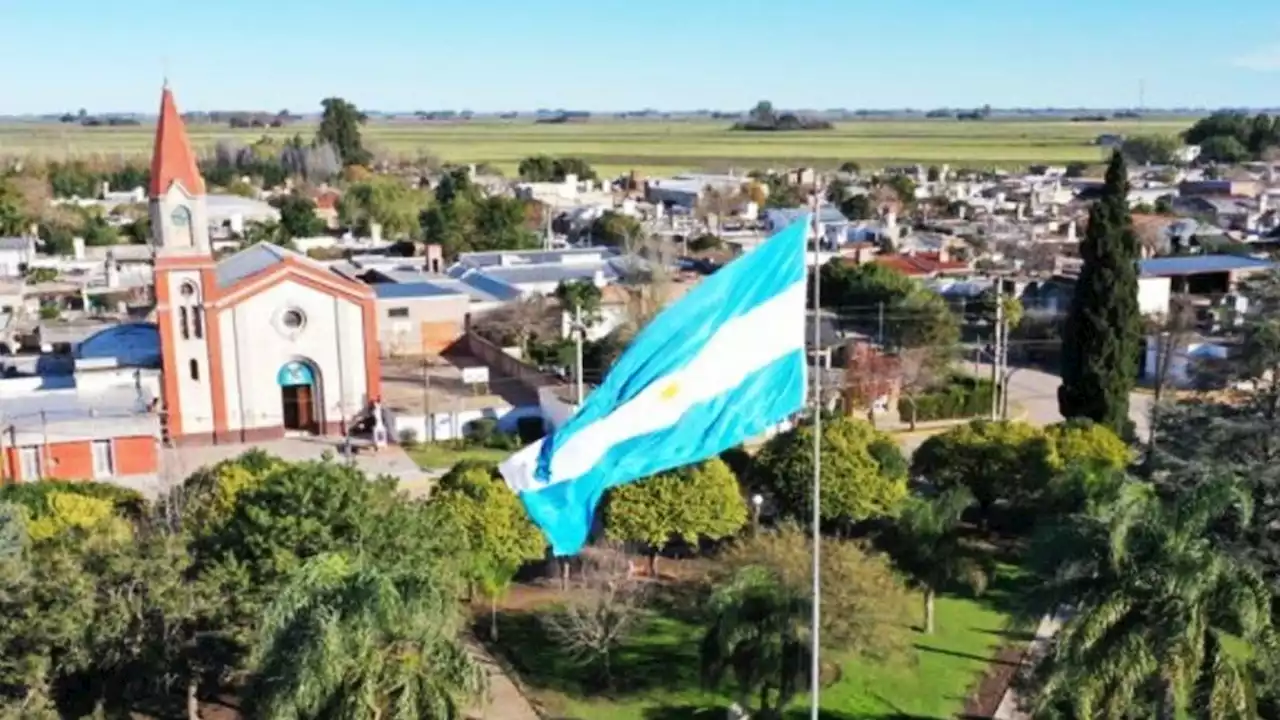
x,y
759,634
928,547
346,641
1164,620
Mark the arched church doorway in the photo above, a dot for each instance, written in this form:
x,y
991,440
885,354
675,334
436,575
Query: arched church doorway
x,y
299,395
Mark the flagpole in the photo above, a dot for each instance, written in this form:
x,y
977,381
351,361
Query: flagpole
x,y
815,668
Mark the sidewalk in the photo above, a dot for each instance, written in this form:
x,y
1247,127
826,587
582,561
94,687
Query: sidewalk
x,y
505,701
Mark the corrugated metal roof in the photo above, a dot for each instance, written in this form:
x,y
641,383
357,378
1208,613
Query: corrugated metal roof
x,y
1197,264
394,291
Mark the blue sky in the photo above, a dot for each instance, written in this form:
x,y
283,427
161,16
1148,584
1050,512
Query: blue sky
x,y
494,55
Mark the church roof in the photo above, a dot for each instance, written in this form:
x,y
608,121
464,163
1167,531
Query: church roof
x,y
263,257
174,160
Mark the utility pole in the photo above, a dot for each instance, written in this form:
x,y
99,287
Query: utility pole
x,y
997,342
880,322
428,429
578,332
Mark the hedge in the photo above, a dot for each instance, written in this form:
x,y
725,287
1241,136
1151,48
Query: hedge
x,y
962,397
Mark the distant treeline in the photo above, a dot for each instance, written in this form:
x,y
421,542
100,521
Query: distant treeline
x,y
785,122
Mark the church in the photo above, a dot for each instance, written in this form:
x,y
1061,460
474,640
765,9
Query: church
x,y
261,344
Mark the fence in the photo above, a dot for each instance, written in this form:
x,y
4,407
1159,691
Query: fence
x,y
498,360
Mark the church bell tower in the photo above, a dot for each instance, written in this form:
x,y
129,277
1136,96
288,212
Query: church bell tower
x,y
185,283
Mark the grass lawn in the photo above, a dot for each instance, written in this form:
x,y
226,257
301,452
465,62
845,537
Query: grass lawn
x,y
653,147
656,673
442,456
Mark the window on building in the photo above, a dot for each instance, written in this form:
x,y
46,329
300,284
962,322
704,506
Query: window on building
x,y
29,465
184,323
401,312
103,460
197,322
195,370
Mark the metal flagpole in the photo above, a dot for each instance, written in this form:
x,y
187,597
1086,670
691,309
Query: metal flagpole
x,y
815,666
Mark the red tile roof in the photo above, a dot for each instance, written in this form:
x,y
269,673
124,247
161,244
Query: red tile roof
x,y
327,200
173,161
920,264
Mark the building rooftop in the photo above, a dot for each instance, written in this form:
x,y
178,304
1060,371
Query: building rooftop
x,y
92,404
1197,264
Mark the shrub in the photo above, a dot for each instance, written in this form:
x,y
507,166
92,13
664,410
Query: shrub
x,y
961,397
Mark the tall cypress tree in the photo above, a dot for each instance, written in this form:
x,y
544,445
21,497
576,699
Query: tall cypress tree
x,y
1103,333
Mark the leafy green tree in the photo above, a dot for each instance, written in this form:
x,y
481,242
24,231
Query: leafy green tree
x,y
1102,337
1223,149
13,221
694,502
758,636
581,295
993,460
850,167
927,545
858,207
463,219
298,216
1159,609
340,128
864,474
98,232
13,530
495,529
384,200
344,639
615,229
865,605
1150,149
73,179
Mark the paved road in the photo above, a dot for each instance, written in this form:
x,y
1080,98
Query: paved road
x,y
1033,395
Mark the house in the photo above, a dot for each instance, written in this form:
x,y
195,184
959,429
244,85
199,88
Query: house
x,y
832,224
923,265
16,254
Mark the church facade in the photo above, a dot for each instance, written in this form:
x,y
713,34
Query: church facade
x,y
260,344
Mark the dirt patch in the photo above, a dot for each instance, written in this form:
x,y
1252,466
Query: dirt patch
x,y
983,700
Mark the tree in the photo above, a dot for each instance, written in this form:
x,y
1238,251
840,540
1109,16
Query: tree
x,y
346,639
691,503
1102,336
340,128
494,528
544,168
583,295
1223,149
463,219
298,216
615,230
857,207
601,614
864,474
927,546
13,221
757,631
758,635
993,460
1150,149
387,201
1158,605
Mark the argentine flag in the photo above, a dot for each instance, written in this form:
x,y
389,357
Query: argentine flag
x,y
720,366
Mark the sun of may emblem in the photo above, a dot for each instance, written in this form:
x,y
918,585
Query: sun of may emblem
x,y
670,391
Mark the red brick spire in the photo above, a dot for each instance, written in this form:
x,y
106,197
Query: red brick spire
x,y
173,160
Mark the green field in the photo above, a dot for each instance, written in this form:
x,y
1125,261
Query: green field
x,y
651,147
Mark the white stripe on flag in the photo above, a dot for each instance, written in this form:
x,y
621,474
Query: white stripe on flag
x,y
742,346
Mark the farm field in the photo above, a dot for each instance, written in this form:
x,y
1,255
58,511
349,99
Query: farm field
x,y
650,147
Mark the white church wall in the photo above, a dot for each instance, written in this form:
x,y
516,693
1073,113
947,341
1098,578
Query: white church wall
x,y
331,338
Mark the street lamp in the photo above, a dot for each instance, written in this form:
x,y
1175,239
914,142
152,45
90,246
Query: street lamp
x,y
757,501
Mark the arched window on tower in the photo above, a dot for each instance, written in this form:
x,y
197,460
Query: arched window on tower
x,y
190,313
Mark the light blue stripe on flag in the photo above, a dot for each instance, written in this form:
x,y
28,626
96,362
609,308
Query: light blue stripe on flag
x,y
720,366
